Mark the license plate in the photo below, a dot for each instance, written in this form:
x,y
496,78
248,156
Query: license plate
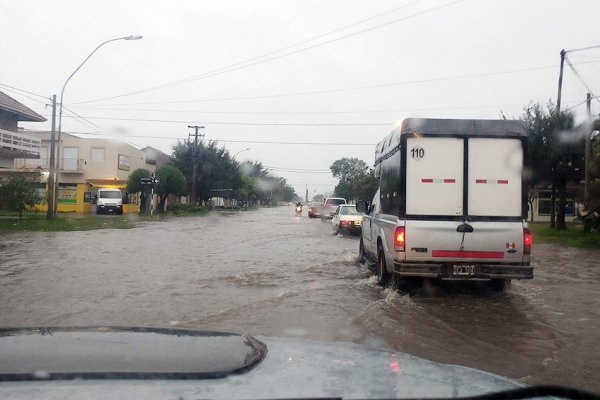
x,y
463,270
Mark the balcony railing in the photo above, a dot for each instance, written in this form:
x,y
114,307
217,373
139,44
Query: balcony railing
x,y
66,165
18,145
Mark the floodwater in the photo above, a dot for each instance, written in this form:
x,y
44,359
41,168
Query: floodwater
x,y
269,273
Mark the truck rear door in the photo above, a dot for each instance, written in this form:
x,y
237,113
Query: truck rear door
x,y
495,197
438,200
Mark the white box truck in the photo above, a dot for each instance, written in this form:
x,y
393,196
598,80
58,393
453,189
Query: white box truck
x,y
110,200
451,203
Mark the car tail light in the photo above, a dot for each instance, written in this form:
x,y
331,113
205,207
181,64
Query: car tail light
x,y
527,241
399,238
344,222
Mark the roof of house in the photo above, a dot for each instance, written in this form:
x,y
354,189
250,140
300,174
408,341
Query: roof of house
x,y
23,112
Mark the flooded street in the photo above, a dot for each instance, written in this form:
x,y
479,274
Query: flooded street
x,y
267,272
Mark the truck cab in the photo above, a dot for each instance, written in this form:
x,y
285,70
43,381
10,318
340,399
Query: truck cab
x,y
451,202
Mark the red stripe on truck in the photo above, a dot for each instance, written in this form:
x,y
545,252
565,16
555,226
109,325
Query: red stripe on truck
x,y
467,254
480,180
426,180
449,180
503,181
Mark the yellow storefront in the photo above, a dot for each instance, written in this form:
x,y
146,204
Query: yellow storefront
x,y
81,197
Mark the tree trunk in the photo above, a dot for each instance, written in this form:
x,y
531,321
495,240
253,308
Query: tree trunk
x,y
561,223
553,204
161,203
530,210
20,214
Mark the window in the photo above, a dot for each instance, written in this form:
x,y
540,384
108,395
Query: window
x,y
97,154
70,158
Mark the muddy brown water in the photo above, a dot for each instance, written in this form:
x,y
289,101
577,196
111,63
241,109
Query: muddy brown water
x,y
268,272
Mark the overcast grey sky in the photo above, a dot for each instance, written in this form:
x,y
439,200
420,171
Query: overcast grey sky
x,y
294,71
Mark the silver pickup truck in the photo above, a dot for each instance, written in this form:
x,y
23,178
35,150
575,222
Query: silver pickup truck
x,y
451,203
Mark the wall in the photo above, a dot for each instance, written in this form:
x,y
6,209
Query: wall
x,y
90,175
8,121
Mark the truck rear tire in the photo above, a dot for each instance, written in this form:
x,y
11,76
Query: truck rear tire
x,y
383,276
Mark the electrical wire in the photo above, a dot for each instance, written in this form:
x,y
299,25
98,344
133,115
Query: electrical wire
x,y
366,87
24,91
297,169
46,103
227,70
241,123
238,141
580,103
579,77
300,112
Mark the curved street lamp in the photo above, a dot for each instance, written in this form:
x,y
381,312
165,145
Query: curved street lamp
x,y
236,154
62,93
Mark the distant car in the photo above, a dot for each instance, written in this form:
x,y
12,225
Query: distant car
x,y
330,204
346,219
314,210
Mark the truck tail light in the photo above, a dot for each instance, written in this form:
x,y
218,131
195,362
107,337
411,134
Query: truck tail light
x,y
399,238
527,241
344,222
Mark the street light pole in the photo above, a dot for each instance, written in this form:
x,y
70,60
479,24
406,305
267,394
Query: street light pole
x,y
62,93
52,163
236,154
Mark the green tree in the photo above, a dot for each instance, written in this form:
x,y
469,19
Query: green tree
x,y
134,184
556,154
349,169
216,170
171,181
356,179
22,192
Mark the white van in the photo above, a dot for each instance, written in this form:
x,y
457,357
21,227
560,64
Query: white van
x,y
451,203
110,200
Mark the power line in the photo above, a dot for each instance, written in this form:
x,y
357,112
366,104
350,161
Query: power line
x,y
76,116
83,119
579,76
239,141
301,112
297,169
24,91
231,69
227,68
581,103
24,95
366,87
241,123
583,48
297,172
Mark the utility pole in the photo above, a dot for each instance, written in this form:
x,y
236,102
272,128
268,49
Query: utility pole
x,y
563,53
195,157
588,150
52,163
